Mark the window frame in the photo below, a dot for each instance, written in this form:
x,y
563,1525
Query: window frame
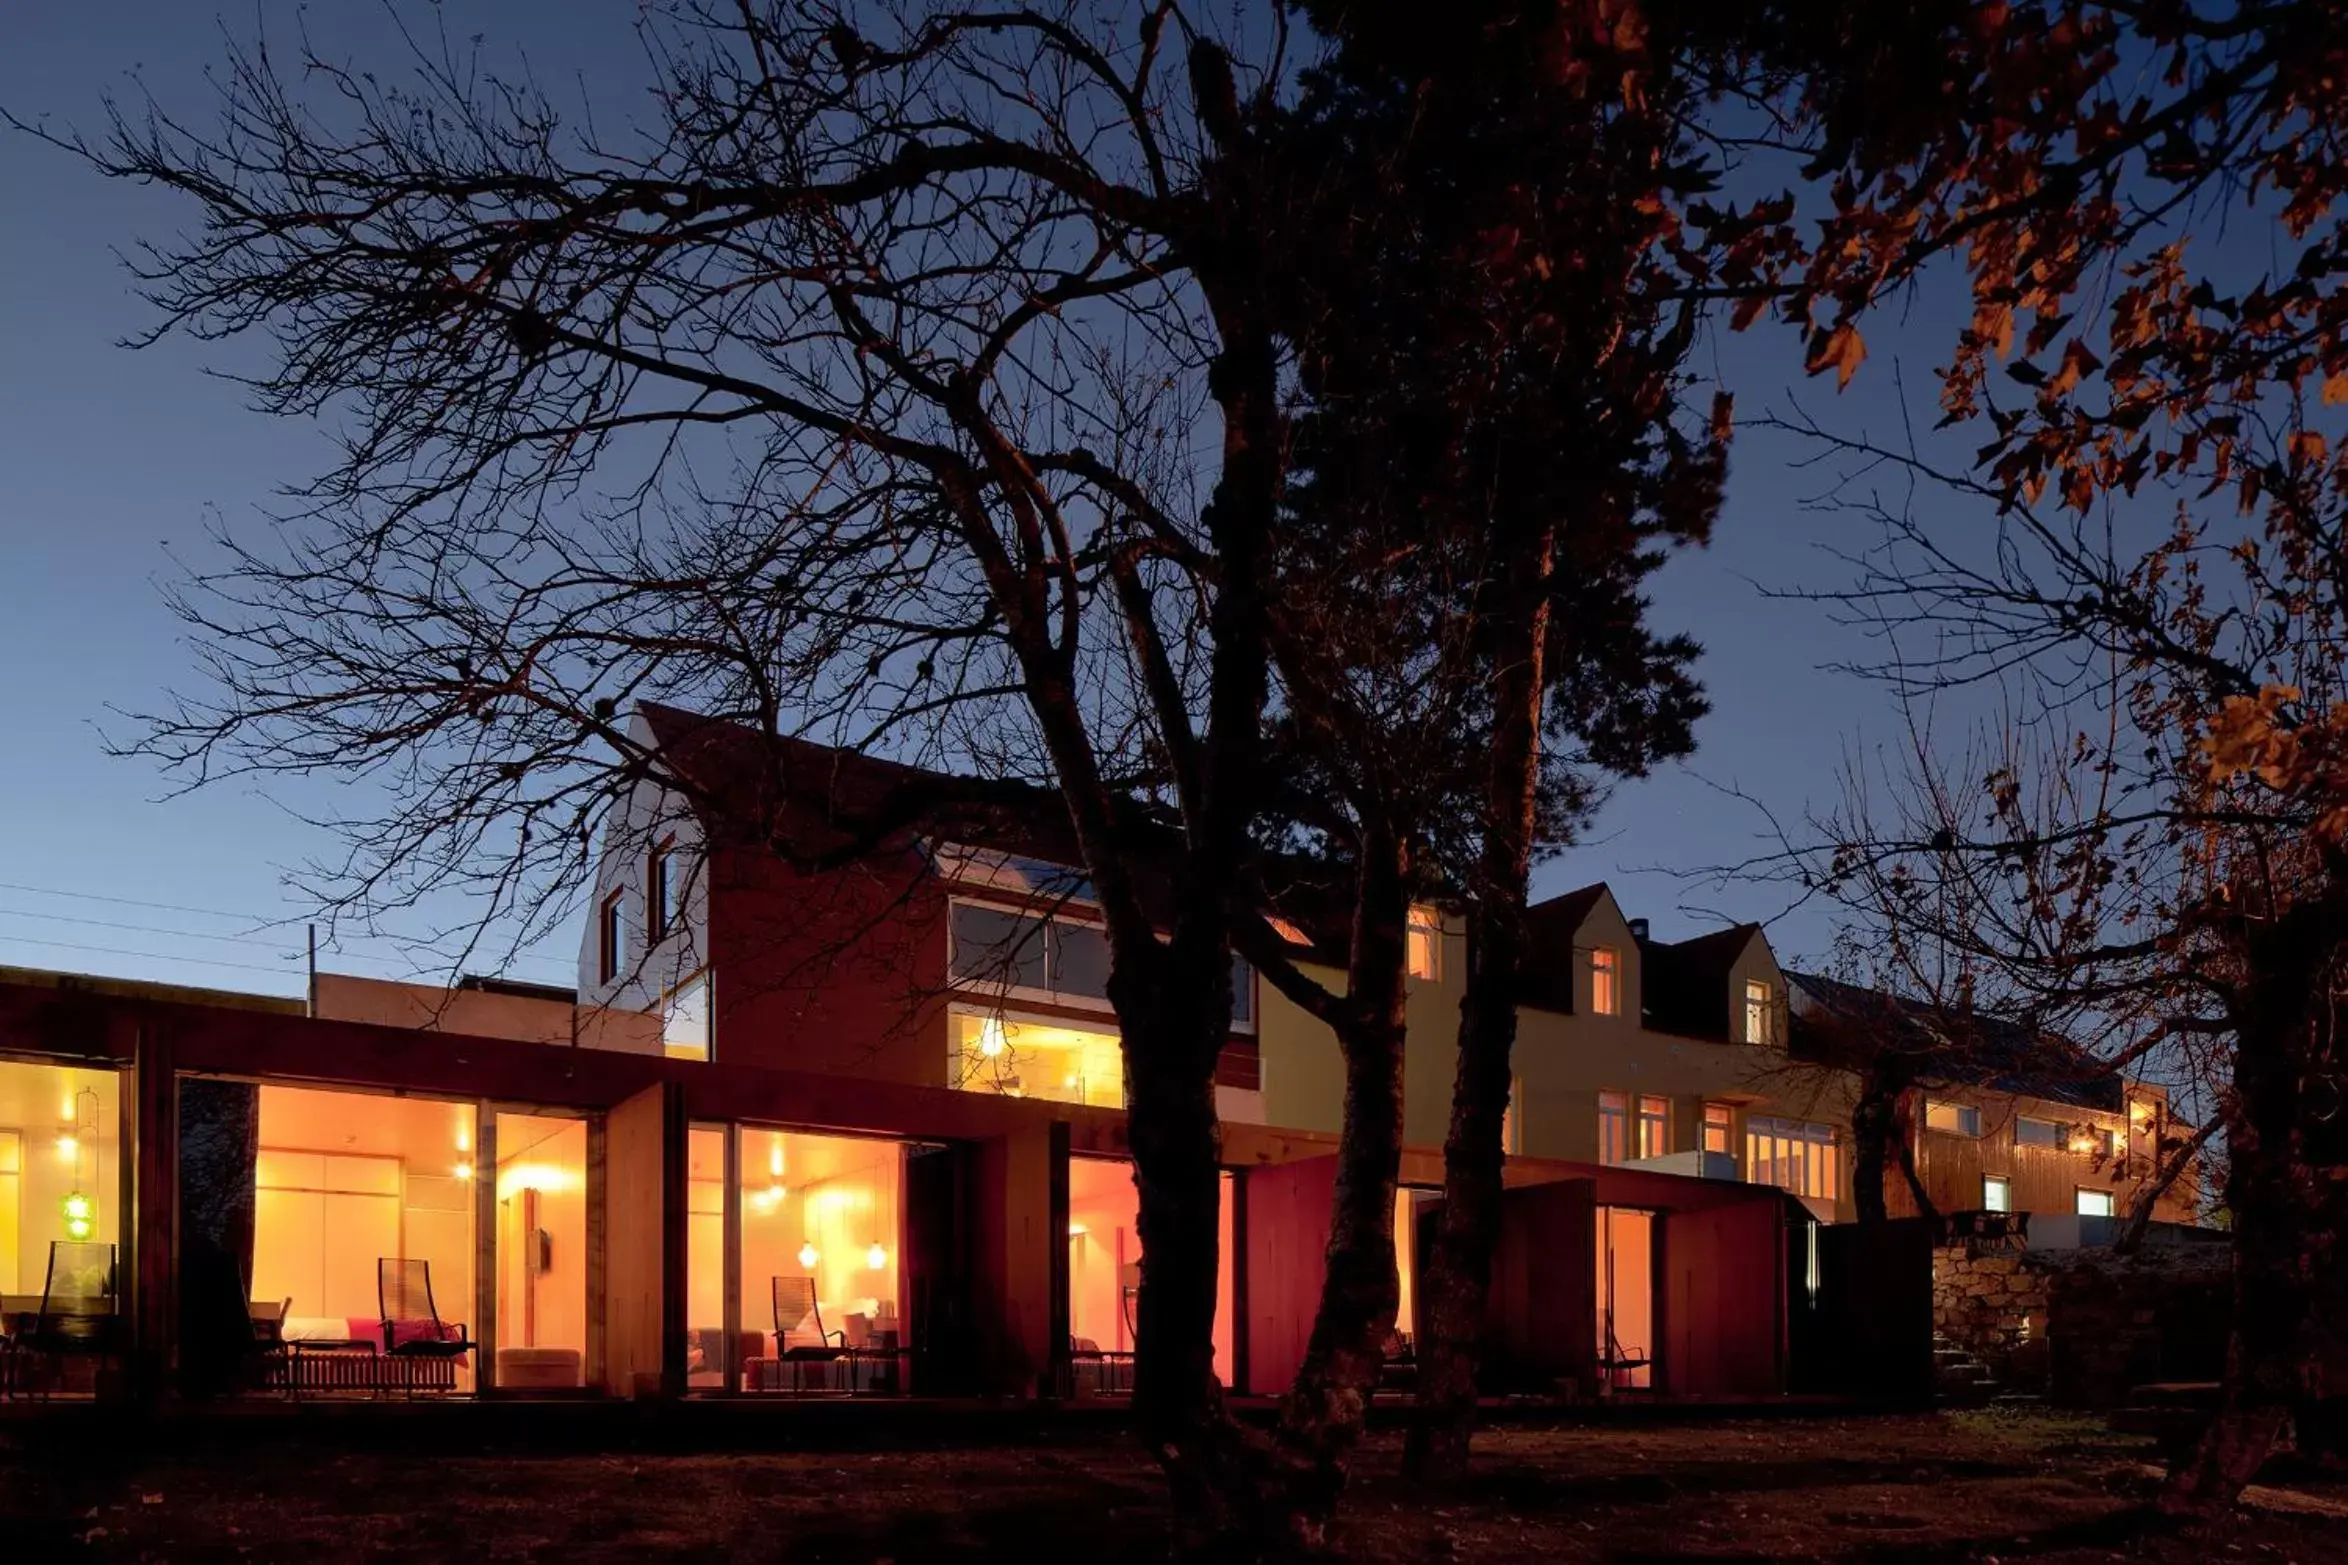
x,y
1760,997
1797,1144
1661,1119
1246,1011
1614,1114
2004,1186
2055,1128
1723,1118
2110,1199
611,935
1423,932
1608,1002
659,902
1968,1116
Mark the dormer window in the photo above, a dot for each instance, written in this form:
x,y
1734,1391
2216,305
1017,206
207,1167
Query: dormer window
x,y
1758,1012
1423,944
1605,981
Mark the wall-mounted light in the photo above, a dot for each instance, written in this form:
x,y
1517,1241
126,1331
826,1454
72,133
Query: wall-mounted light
x,y
809,1255
464,1170
464,1139
992,1040
68,1147
876,1257
774,1158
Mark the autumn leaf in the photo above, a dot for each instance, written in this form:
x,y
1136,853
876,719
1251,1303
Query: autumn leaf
x,y
1840,350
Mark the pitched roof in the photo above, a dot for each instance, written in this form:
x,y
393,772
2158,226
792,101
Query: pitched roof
x,y
1684,984
1962,1047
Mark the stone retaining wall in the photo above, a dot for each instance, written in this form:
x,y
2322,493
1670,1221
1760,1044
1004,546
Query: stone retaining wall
x,y
2084,1326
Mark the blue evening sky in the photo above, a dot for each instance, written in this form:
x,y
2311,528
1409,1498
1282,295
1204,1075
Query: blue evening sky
x,y
112,458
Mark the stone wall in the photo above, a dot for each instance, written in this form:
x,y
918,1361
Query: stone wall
x,y
1989,1297
2084,1326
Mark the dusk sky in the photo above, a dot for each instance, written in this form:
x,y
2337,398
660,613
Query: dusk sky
x,y
113,459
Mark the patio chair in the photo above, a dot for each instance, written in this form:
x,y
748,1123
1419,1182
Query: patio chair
x,y
413,1331
800,1339
77,1316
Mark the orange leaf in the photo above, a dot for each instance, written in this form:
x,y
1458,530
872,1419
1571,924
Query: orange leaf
x,y
2336,388
1840,350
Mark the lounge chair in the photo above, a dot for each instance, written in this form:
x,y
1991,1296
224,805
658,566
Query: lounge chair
x,y
800,1339
77,1317
413,1332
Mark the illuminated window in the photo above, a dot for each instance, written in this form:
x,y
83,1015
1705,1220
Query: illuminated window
x,y
1997,1194
2038,1132
1719,1128
1654,1126
1794,1155
1605,982
1036,1059
684,1033
1423,949
660,891
2096,1203
1757,1012
1958,1119
1614,1127
611,936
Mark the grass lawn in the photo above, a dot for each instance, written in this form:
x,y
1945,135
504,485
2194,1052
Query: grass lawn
x,y
1959,1486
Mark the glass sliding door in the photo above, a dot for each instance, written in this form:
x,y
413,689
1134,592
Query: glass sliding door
x,y
541,1253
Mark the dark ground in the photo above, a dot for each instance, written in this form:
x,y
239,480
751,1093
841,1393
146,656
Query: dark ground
x,y
1917,1487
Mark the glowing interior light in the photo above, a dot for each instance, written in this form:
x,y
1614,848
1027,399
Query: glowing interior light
x,y
67,1146
79,1215
774,1158
876,1257
464,1170
991,1038
1076,1230
464,1139
809,1255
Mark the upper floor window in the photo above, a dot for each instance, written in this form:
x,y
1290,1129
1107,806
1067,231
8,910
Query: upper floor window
x,y
1057,959
1758,1012
1614,1127
2093,1140
660,890
1605,981
1423,944
1719,1128
1654,1126
1960,1119
2037,1132
611,936
684,1029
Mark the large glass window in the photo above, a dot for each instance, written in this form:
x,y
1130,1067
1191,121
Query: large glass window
x,y
705,1259
60,1166
1060,959
352,1187
1794,1155
822,1236
1104,1272
1626,1297
1029,1059
541,1252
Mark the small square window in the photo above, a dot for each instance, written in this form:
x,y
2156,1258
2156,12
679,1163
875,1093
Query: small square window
x,y
2095,1203
1997,1193
1605,982
1759,1013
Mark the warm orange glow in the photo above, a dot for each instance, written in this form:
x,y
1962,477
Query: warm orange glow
x,y
876,1258
809,1255
464,1170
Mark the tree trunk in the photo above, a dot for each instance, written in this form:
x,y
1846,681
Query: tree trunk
x,y
2286,1222
1458,1281
1874,1124
1176,1141
1322,1416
